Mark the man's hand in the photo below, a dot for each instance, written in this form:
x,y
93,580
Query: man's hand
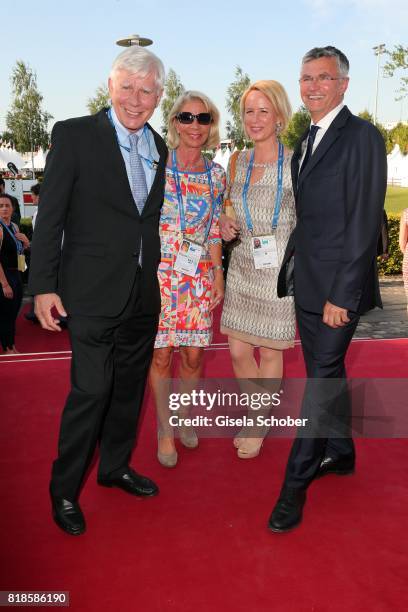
x,y
334,316
43,306
229,228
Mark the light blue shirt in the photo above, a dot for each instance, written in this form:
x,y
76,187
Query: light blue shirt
x,y
146,147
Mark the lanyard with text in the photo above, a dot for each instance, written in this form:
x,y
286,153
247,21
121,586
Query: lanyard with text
x,y
150,163
189,254
180,195
264,248
278,199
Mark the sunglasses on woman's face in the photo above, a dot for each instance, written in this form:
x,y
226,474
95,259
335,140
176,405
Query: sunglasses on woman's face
x,y
187,118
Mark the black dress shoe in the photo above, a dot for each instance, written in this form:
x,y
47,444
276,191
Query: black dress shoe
x,y
131,482
68,515
342,466
287,513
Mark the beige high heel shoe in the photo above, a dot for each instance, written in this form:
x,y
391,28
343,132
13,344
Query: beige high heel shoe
x,y
188,436
249,448
168,460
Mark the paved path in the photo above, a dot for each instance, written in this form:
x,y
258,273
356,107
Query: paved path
x,y
392,320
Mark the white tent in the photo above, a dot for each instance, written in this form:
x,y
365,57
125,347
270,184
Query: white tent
x,y
397,168
222,157
39,160
10,155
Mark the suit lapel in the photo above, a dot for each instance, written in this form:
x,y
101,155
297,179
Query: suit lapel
x,y
294,165
327,141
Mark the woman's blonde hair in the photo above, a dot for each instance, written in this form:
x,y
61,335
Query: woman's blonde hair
x,y
276,95
173,139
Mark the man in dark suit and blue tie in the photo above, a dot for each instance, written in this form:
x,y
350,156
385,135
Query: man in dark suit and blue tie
x,y
339,179
103,190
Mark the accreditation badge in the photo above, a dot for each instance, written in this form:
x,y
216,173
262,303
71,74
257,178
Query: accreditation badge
x,y
265,252
188,257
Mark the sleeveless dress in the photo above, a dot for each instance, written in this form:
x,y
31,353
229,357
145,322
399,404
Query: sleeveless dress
x,y
185,319
252,311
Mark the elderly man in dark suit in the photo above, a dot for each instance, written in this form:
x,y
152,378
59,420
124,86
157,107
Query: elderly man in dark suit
x,y
103,189
339,180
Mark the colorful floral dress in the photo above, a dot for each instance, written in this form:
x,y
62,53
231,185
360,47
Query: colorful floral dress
x,y
185,319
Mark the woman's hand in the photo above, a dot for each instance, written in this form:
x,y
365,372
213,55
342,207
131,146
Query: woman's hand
x,y
23,238
217,291
7,291
229,228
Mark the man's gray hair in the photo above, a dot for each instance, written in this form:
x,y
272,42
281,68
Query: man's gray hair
x,y
139,60
318,52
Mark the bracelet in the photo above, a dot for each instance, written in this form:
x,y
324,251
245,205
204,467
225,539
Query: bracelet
x,y
217,267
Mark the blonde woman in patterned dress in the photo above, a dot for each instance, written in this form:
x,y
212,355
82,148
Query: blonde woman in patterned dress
x,y
253,315
190,217
403,243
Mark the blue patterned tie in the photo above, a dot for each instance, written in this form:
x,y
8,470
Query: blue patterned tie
x,y
139,185
310,141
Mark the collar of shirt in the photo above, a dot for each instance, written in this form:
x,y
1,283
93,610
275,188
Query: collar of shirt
x,y
146,145
325,123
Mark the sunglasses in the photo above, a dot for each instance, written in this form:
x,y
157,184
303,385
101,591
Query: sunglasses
x,y
187,118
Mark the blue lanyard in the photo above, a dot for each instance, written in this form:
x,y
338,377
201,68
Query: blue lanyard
x,y
180,195
278,199
18,243
150,163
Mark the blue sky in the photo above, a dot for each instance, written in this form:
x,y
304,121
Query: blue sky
x,y
71,45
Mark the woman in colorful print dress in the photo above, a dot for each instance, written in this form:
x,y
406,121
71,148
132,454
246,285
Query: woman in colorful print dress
x,y
190,271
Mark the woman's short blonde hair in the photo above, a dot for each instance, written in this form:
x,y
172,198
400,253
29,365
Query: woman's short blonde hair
x,y
173,139
276,95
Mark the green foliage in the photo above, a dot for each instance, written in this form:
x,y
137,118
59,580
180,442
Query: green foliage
x,y
173,88
234,127
386,134
99,101
393,265
26,120
398,60
298,124
396,199
399,135
7,137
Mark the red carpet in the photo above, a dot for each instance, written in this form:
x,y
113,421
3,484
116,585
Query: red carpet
x,y
202,544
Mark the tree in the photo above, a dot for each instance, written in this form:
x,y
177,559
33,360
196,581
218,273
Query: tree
x,y
298,124
173,88
398,59
399,136
234,127
7,139
384,132
26,120
99,101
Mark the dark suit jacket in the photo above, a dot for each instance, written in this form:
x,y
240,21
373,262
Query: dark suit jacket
x,y
86,195
339,204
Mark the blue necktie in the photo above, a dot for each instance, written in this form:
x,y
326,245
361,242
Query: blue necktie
x,y
312,135
139,185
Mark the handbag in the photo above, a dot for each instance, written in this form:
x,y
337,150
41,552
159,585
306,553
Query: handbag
x,y
228,208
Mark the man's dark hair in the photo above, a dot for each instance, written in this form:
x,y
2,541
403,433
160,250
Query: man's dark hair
x,y
35,189
318,52
2,182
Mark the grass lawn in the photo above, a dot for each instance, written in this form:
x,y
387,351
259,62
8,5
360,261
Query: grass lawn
x,y
396,199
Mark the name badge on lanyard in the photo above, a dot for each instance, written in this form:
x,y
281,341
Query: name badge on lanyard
x,y
264,248
190,252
